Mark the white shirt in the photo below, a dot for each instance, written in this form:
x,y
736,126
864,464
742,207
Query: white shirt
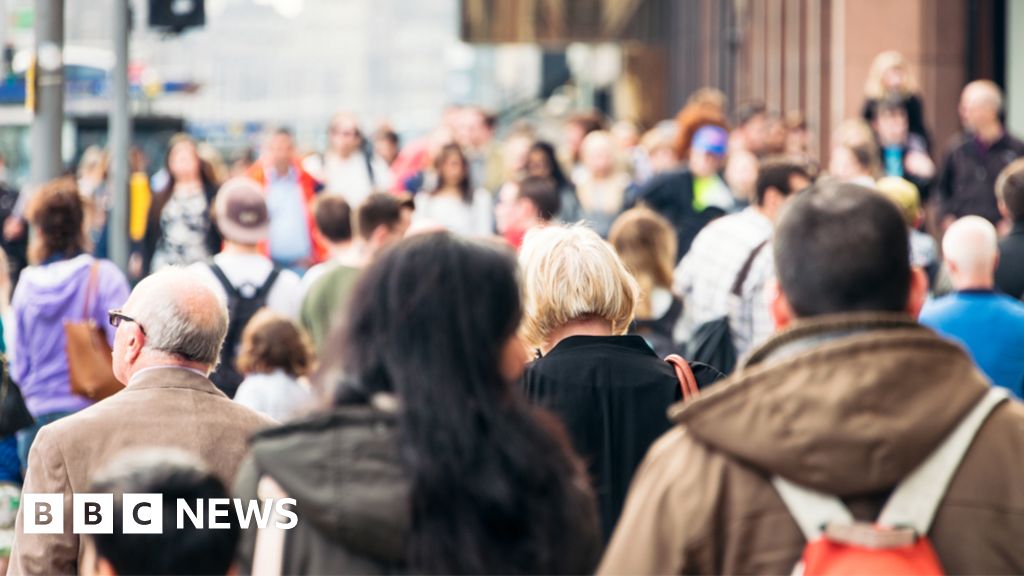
x,y
284,296
475,219
277,394
349,176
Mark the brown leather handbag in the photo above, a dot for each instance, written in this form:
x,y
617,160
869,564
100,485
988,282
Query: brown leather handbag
x,y
90,361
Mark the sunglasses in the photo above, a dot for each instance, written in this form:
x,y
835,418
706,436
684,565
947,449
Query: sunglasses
x,y
116,317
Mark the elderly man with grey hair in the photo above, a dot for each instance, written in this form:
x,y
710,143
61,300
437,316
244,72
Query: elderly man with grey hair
x,y
167,342
988,324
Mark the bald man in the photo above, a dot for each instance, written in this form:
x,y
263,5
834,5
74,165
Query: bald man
x,y
167,341
971,166
988,324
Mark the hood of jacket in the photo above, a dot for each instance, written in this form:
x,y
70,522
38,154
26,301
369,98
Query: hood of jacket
x,y
53,288
846,404
344,471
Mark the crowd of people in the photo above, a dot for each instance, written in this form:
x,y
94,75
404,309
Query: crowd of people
x,y
615,350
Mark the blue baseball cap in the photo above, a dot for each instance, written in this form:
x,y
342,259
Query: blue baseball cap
x,y
711,139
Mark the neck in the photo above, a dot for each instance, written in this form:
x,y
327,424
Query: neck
x,y
974,282
236,248
586,327
152,359
989,133
281,169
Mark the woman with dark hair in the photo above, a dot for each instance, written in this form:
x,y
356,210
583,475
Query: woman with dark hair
x,y
452,203
64,284
430,461
542,161
179,230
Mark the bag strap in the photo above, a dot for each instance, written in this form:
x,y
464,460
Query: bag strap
x,y
737,285
268,283
223,279
268,550
914,501
91,288
687,381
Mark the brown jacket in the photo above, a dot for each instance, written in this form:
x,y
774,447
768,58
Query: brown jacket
x,y
162,408
847,405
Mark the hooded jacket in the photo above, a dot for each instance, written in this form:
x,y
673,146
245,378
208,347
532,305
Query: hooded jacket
x,y
846,405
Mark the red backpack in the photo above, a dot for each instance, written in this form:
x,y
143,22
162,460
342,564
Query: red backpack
x,y
897,543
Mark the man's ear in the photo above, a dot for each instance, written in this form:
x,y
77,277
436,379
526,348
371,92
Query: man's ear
x,y
782,313
133,348
918,291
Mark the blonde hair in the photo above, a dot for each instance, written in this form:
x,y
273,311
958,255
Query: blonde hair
x,y
569,273
856,135
646,243
873,86
904,194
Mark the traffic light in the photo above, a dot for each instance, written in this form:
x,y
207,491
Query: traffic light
x,y
176,15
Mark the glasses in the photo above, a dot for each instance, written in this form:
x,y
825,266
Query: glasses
x,y
116,317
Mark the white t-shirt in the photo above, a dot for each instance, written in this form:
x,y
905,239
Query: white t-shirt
x,y
349,176
241,269
475,219
277,395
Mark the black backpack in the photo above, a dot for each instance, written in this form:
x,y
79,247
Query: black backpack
x,y
712,343
243,303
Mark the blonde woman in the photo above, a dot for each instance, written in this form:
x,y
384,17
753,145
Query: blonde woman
x,y
609,389
601,185
890,74
855,156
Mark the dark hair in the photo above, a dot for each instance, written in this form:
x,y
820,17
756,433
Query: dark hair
x,y
776,173
163,196
841,247
1010,189
333,217
189,550
57,211
491,480
543,194
465,189
282,131
892,102
748,111
379,209
551,158
387,134
271,342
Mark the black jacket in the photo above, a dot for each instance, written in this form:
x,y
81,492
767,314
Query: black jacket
x,y
968,178
1010,273
671,195
915,116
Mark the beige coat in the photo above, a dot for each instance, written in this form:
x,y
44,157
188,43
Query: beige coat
x,y
170,408
845,405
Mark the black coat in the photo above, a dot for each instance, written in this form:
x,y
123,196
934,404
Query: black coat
x,y
1010,273
612,393
915,116
671,195
968,178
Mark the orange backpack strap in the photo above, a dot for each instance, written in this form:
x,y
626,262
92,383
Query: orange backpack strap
x,y
687,381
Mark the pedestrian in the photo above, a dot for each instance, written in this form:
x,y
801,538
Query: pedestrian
x,y
474,133
924,252
601,186
967,180
441,465
705,107
453,203
890,77
903,153
349,167
522,206
168,336
847,400
333,216
541,162
63,284
1010,193
855,156
990,325
276,358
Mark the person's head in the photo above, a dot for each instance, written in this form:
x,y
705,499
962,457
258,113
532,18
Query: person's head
x,y
475,128
707,151
701,110
577,128
741,174
597,154
752,126
777,180
970,249
776,134
279,149
381,221
333,217
57,215
842,248
171,317
240,212
891,123
343,134
889,73
855,152
570,274
659,143
93,164
386,144
453,171
516,153
172,474
647,245
525,204
626,134
797,135
1010,191
981,104
182,160
433,321
542,162
271,342
905,196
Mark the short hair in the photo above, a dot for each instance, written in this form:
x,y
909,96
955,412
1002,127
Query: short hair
x,y
387,134
1010,189
543,194
904,194
272,341
379,209
840,247
282,131
570,273
57,211
182,315
750,110
174,475
777,173
892,102
333,217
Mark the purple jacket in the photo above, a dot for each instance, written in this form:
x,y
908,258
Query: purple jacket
x,y
47,296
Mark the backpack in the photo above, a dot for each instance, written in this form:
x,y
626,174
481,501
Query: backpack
x,y
243,303
712,343
897,543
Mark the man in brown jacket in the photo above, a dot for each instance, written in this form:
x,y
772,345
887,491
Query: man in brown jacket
x,y
847,399
167,341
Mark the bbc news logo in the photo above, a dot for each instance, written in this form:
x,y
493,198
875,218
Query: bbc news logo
x,y
143,513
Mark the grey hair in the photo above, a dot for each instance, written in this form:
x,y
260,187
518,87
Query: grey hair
x,y
182,316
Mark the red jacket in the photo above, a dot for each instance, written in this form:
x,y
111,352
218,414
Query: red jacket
x,y
309,186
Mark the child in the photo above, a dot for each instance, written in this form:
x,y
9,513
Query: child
x,y
275,357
